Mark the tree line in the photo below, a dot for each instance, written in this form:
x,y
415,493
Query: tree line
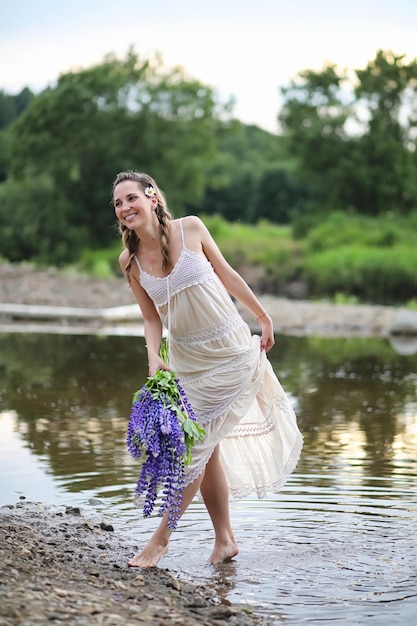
x,y
346,142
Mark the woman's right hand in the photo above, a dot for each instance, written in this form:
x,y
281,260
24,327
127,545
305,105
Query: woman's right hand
x,y
155,364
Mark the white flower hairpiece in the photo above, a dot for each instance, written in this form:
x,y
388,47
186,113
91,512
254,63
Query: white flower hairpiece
x,y
149,191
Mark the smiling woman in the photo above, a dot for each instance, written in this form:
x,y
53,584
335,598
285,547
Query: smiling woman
x,y
181,280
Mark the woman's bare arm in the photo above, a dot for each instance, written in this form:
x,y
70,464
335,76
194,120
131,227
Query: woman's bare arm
x,y
151,319
198,234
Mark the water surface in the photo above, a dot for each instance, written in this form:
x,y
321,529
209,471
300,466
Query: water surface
x,y
336,545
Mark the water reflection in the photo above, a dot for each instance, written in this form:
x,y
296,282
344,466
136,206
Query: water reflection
x,y
356,401
346,517
71,396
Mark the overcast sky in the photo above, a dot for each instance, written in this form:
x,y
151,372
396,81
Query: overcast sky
x,y
248,49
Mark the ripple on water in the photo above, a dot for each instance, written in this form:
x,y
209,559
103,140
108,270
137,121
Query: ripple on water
x,y
347,558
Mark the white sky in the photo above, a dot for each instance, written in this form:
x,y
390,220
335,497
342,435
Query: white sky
x,y
245,48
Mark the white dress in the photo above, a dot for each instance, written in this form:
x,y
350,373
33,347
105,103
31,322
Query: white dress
x,y
228,380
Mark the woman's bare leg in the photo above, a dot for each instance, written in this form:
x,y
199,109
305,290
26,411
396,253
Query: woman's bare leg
x,y
215,494
157,545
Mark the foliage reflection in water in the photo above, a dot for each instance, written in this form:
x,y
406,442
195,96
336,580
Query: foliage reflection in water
x,y
336,544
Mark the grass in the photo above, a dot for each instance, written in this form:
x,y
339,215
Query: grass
x,y
346,258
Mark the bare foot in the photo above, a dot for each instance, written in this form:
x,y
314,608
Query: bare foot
x,y
224,552
150,556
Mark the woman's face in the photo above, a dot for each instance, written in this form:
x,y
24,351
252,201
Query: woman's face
x,y
131,205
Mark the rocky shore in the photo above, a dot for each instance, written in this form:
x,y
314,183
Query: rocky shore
x,y
59,567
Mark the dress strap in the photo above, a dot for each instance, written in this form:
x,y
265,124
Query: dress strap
x,y
182,233
138,264
169,298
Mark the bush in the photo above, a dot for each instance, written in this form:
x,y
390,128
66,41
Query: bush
x,y
384,275
343,229
101,263
263,244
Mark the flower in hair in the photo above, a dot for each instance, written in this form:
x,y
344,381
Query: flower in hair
x,y
149,191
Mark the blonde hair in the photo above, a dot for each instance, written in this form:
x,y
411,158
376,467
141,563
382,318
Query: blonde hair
x,y
129,237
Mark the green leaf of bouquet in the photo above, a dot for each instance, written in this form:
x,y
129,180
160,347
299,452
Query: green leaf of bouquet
x,y
188,427
182,417
163,350
198,432
187,458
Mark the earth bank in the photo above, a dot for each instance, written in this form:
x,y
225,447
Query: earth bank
x,y
59,567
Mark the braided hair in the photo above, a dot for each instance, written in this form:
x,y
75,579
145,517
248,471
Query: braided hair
x,y
129,237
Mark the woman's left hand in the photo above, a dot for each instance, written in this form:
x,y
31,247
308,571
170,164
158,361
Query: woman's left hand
x,y
267,337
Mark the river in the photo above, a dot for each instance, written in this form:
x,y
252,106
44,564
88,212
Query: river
x,y
338,544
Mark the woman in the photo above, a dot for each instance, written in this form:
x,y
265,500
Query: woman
x,y
181,280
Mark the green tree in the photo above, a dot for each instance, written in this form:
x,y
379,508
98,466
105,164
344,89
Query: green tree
x,y
353,134
121,114
11,106
387,87
277,198
7,109
245,153
23,99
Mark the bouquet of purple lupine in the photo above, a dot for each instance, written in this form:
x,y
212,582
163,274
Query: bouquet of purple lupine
x,y
163,428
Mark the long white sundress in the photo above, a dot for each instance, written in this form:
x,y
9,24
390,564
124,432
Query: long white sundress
x,y
227,378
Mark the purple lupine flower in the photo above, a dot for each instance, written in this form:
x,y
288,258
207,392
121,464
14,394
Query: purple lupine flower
x,y
163,428
185,402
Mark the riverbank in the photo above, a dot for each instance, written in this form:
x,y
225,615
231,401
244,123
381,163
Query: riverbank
x,y
58,566
28,294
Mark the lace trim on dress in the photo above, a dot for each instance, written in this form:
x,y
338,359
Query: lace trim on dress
x,y
261,491
250,431
213,333
190,269
272,486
